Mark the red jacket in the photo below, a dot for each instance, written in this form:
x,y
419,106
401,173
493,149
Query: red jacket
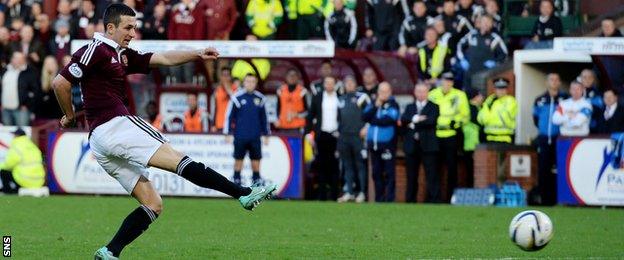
x,y
220,17
186,23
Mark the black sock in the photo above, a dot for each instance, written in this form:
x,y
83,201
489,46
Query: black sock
x,y
256,176
208,178
131,228
237,175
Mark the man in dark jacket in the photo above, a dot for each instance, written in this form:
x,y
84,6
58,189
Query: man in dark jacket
x,y
19,88
341,26
350,145
323,118
383,19
479,50
420,144
413,28
546,28
613,118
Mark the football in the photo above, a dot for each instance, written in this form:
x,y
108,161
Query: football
x,y
531,230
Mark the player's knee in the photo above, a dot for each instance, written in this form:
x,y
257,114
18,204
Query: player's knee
x,y
156,205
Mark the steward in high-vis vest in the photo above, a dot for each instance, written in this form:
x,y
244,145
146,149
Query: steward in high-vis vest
x,y
498,114
432,55
23,166
221,98
195,121
309,16
263,17
454,113
292,108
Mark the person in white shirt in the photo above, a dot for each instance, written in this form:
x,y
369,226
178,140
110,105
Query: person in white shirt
x,y
573,115
323,119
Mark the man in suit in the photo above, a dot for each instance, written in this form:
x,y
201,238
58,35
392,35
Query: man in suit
x,y
323,119
420,144
613,114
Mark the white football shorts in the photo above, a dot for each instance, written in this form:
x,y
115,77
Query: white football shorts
x,y
123,146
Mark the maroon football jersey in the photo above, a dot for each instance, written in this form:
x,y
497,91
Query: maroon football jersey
x,y
101,68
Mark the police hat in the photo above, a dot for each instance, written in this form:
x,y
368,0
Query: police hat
x,y
19,132
448,75
501,83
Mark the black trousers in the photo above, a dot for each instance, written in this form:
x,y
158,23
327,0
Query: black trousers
x,y
469,163
412,166
448,157
383,174
7,181
310,27
546,159
327,166
386,41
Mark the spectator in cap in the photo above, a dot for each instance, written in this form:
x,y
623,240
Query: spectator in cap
x,y
23,166
59,46
473,133
574,113
498,114
454,113
613,115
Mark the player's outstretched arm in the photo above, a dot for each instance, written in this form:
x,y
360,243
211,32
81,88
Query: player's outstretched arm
x,y
173,58
62,90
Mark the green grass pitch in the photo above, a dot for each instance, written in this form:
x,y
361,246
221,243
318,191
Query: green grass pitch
x,y
73,227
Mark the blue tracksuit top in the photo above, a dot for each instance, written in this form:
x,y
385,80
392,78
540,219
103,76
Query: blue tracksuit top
x,y
382,121
544,108
246,116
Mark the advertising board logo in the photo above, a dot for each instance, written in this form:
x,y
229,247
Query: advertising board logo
x,y
613,159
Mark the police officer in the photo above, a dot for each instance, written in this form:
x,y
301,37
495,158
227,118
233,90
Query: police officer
x,y
292,108
382,115
543,110
498,114
247,121
454,112
23,166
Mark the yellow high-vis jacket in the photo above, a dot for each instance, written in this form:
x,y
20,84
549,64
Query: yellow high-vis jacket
x,y
263,16
25,162
454,110
498,117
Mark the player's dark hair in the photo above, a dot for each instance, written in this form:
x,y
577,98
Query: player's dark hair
x,y
113,13
251,75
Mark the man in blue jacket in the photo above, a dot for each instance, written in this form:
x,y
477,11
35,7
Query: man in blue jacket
x,y
382,116
246,119
543,111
